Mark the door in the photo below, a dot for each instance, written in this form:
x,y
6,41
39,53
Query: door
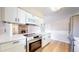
x,y
76,25
75,31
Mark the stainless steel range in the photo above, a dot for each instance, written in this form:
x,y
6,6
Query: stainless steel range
x,y
33,42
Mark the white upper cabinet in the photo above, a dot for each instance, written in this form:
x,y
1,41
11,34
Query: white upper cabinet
x,y
9,14
38,21
17,15
30,19
21,16
14,15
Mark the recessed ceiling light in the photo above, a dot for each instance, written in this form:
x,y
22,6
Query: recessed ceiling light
x,y
55,8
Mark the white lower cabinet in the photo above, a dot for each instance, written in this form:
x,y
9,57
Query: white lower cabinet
x,y
21,16
15,46
6,46
45,40
9,14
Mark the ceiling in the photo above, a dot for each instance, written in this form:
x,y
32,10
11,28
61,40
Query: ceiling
x,y
62,14
46,11
37,11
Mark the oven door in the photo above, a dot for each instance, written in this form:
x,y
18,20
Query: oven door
x,y
34,45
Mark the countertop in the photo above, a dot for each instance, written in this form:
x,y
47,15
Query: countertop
x,y
5,38
31,36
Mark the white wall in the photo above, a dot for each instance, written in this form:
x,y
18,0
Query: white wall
x,y
58,30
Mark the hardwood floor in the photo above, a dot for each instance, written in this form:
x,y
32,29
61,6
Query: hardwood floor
x,y
55,46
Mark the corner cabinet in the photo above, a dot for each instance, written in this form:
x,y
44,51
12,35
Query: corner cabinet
x,y
9,14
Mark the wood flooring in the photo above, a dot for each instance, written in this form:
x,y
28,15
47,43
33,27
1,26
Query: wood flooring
x,y
55,46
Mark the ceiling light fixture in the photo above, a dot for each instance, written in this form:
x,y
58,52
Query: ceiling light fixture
x,y
55,8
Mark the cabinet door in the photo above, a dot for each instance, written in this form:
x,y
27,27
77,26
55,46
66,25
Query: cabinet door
x,y
17,48
36,20
21,16
29,18
6,46
12,47
45,40
10,14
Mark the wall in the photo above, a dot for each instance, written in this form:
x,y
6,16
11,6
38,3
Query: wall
x,y
34,29
58,30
